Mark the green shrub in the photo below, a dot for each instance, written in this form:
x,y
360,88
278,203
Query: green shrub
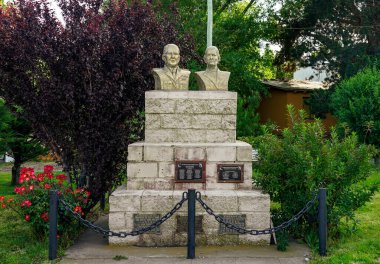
x,y
31,201
292,167
356,103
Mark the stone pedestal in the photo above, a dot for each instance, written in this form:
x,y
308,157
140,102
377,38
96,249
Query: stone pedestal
x,y
188,126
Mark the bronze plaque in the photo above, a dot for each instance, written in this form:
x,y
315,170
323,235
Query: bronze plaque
x,y
182,224
190,171
237,220
145,220
231,173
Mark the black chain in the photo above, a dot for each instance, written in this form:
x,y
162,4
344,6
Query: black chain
x,y
136,232
254,231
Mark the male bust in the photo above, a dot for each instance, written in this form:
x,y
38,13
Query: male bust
x,y
212,78
171,77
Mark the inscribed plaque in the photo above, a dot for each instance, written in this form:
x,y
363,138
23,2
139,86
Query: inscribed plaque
x,y
145,220
182,223
237,220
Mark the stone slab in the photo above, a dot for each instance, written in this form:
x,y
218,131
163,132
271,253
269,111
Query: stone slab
x,y
127,203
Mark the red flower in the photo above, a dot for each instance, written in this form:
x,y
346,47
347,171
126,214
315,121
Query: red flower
x,y
49,175
27,218
48,168
10,200
1,197
3,205
31,187
60,182
78,209
26,174
20,190
46,186
61,177
87,193
26,202
40,176
44,216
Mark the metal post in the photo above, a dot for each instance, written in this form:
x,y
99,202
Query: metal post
x,y
209,22
322,217
53,224
191,224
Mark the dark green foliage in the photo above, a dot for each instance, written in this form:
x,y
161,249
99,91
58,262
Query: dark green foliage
x,y
356,103
293,167
341,36
80,84
16,137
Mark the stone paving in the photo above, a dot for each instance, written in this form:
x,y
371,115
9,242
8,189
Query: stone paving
x,y
93,248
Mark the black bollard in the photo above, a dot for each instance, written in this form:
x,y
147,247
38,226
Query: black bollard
x,y
322,217
53,224
191,224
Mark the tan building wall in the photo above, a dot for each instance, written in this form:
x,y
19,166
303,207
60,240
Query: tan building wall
x,y
274,108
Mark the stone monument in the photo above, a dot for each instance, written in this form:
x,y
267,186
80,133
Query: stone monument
x,y
212,78
190,142
171,77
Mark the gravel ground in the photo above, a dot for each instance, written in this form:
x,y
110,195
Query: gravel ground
x,y
38,166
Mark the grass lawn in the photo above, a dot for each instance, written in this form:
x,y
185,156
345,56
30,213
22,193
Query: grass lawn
x,y
363,246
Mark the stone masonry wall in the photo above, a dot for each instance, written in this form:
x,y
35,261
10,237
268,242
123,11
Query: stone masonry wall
x,y
151,165
190,116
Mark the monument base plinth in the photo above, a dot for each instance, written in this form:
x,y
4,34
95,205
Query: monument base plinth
x,y
132,209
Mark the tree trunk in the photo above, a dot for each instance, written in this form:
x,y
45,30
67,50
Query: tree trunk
x,y
15,173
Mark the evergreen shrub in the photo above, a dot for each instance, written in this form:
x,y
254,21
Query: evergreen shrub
x,y
295,164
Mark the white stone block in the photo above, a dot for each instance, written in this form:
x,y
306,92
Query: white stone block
x,y
182,152
221,186
185,186
129,200
129,240
223,136
116,220
152,121
176,121
158,153
204,121
258,220
136,183
221,201
160,135
221,153
157,201
142,170
228,122
253,201
248,171
164,183
154,94
158,106
212,106
135,153
244,153
166,170
211,171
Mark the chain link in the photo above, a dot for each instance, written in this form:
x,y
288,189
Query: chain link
x,y
270,230
136,232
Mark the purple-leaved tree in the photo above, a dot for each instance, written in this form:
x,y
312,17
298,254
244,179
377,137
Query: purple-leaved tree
x,y
81,82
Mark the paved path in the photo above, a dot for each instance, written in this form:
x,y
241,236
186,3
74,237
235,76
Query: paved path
x,y
92,248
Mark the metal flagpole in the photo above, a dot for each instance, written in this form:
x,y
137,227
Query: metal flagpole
x,y
209,23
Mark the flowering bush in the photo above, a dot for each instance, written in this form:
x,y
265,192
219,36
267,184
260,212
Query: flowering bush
x,y
32,199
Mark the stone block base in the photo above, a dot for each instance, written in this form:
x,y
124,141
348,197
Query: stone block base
x,y
251,205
